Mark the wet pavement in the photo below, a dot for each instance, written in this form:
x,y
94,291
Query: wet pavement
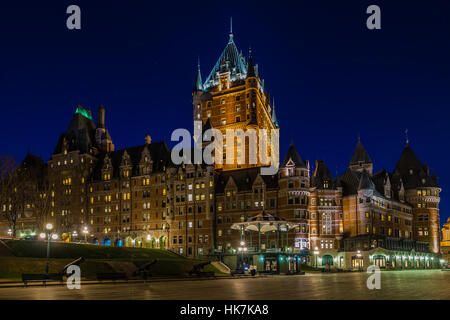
x,y
426,284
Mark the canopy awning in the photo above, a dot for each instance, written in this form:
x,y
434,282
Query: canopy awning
x,y
264,222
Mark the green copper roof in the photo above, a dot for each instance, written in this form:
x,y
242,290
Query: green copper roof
x,y
229,61
198,81
84,112
274,116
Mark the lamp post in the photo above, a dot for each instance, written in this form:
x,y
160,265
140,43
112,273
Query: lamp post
x,y
85,231
49,228
316,252
242,249
9,232
358,254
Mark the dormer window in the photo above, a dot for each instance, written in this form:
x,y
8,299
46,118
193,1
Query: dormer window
x,y
411,171
325,184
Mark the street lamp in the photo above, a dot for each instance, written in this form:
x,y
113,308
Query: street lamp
x,y
316,252
242,249
49,228
85,231
9,232
358,254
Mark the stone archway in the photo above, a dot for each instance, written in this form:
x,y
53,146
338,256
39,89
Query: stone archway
x,y
129,242
106,242
162,242
118,242
327,260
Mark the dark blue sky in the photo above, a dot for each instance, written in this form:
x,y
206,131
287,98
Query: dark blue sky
x,y
331,77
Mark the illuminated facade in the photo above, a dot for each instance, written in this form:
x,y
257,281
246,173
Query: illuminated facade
x,y
136,196
445,244
234,97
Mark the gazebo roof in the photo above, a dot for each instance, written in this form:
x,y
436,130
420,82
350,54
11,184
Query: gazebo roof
x,y
264,222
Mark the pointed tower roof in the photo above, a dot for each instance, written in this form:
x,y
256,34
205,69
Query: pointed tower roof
x,y
80,134
198,80
293,155
250,67
230,60
322,174
274,115
413,172
365,182
408,160
207,125
360,155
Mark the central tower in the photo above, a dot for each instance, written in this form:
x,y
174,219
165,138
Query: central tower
x,y
233,96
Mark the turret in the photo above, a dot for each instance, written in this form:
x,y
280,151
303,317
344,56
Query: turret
x,y
101,117
102,137
360,160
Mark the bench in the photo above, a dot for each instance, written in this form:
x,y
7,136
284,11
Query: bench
x,y
44,278
112,276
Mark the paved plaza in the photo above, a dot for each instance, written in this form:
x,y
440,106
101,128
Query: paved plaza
x,y
427,284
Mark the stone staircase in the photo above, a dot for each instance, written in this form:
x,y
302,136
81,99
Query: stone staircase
x,y
222,267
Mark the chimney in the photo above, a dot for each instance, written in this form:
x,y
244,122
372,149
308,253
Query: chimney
x,y
101,117
148,139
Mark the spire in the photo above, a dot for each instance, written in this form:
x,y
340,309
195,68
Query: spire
x,y
274,115
293,155
250,68
198,81
322,177
231,29
406,134
360,155
229,61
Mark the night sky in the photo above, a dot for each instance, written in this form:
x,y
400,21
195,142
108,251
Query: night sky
x,y
331,77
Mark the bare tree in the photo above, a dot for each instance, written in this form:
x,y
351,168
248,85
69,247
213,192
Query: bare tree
x,y
11,191
42,200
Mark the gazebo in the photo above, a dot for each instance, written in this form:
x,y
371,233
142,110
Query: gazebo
x,y
262,223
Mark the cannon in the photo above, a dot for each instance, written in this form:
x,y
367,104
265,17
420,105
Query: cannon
x,y
197,270
44,278
76,262
145,269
